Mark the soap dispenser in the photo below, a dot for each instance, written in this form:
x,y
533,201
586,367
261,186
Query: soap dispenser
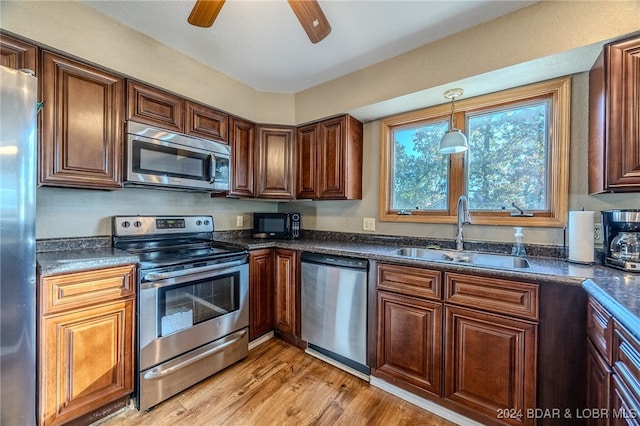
x,y
518,246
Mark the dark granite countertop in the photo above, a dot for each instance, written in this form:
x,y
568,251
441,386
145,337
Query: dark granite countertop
x,y
68,261
617,291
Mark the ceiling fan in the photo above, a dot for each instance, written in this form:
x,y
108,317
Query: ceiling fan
x,y
308,12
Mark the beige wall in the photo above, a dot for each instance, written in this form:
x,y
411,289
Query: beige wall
x,y
546,28
541,30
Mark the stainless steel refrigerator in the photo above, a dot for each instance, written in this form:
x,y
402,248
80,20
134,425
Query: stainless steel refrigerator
x,y
17,247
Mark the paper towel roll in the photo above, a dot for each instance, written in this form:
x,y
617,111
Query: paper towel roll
x,y
581,237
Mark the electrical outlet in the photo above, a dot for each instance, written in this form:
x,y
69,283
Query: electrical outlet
x,y
239,221
369,224
597,233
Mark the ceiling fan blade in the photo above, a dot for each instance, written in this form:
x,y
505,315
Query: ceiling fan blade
x,y
311,18
205,12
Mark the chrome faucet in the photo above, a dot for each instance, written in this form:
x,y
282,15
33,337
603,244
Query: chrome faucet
x,y
464,218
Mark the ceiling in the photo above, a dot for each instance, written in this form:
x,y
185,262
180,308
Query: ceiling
x,y
261,43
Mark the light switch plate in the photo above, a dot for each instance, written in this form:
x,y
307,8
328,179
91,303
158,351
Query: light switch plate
x,y
239,221
369,224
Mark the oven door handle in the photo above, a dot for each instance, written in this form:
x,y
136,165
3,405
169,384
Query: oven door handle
x,y
189,273
159,372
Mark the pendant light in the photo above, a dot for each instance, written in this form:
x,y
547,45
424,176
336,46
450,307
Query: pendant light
x,y
454,140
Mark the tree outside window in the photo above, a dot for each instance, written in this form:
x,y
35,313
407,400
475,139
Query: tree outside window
x,y
518,153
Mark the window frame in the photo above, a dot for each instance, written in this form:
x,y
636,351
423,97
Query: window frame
x,y
557,90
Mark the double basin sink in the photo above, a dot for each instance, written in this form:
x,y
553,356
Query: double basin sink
x,y
468,257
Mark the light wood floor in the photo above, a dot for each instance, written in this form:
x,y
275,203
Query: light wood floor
x,y
278,384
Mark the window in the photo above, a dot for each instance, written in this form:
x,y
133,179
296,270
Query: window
x,y
518,154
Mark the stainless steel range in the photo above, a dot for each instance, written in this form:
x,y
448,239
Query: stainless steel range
x,y
192,310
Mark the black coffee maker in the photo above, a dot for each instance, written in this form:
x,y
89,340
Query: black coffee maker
x,y
621,238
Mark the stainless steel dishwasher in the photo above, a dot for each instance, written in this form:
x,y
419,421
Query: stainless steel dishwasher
x,y
334,310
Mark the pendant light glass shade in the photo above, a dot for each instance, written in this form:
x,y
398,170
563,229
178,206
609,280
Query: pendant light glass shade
x,y
454,140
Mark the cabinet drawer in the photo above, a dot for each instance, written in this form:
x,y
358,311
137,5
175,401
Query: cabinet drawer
x,y
492,294
67,291
599,328
626,358
410,281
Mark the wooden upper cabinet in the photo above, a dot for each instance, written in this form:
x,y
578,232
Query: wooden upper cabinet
x,y
241,139
614,118
82,125
159,108
17,54
149,105
206,122
274,162
332,149
307,152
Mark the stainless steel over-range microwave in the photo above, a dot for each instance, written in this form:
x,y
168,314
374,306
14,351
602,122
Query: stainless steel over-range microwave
x,y
160,158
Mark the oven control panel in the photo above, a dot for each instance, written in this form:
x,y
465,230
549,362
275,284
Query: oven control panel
x,y
150,225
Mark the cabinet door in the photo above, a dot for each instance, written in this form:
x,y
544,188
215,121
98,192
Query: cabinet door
x,y
287,293
409,343
86,360
241,139
307,152
598,384
82,124
625,404
275,162
331,159
155,107
17,54
340,159
206,122
490,362
614,119
260,292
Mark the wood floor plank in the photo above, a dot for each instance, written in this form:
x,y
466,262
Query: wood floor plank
x,y
278,384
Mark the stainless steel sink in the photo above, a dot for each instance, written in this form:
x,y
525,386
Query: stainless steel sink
x,y
473,258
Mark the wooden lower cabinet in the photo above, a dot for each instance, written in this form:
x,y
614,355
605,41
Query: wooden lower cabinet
x,y
598,385
261,277
613,370
409,343
490,363
86,348
466,342
286,303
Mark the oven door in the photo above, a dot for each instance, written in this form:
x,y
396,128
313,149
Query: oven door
x,y
180,311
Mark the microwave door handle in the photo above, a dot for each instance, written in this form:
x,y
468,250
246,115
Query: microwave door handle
x,y
212,168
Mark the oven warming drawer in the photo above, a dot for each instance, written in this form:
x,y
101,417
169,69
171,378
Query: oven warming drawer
x,y
167,379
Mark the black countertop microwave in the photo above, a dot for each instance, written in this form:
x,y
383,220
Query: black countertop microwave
x,y
276,225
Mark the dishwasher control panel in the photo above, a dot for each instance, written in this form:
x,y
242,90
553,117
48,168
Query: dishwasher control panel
x,y
339,261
